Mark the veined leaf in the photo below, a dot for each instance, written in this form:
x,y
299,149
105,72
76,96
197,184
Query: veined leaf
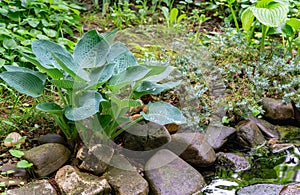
x,y
85,105
41,76
69,84
91,50
147,87
100,75
121,57
163,113
43,50
109,36
50,107
247,19
69,66
272,15
158,73
24,82
131,74
53,72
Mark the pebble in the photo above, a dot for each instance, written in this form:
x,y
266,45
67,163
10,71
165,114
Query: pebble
x,y
12,139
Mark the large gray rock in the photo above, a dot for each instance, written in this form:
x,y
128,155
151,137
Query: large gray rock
x,y
96,158
233,162
168,174
72,182
193,148
146,137
269,130
260,189
276,109
217,135
40,187
249,135
47,158
124,179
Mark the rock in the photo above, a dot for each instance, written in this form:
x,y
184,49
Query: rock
x,y
277,110
52,138
233,162
269,130
72,181
193,148
249,135
40,187
47,158
95,159
146,137
276,148
296,113
217,135
13,139
124,179
16,172
168,174
290,189
261,189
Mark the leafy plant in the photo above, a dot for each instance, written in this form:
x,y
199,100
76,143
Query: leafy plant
x,y
172,17
270,13
89,82
22,21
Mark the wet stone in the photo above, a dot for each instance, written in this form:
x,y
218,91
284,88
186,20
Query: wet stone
x,y
217,135
233,162
249,135
269,130
52,138
16,172
169,174
260,189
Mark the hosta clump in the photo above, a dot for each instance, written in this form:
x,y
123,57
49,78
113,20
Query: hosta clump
x,y
88,82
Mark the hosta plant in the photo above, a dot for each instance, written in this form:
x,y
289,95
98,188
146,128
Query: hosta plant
x,y
270,13
92,84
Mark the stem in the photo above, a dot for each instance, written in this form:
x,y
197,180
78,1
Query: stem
x,y
251,32
264,32
126,127
234,18
62,96
13,108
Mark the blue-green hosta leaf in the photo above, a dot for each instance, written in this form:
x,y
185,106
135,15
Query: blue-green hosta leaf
x,y
274,14
85,105
100,75
158,73
70,66
91,50
109,36
247,19
50,107
52,72
164,113
23,69
148,87
43,50
121,57
69,84
24,82
129,75
10,44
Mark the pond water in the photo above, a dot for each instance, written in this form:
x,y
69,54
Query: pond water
x,y
281,168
